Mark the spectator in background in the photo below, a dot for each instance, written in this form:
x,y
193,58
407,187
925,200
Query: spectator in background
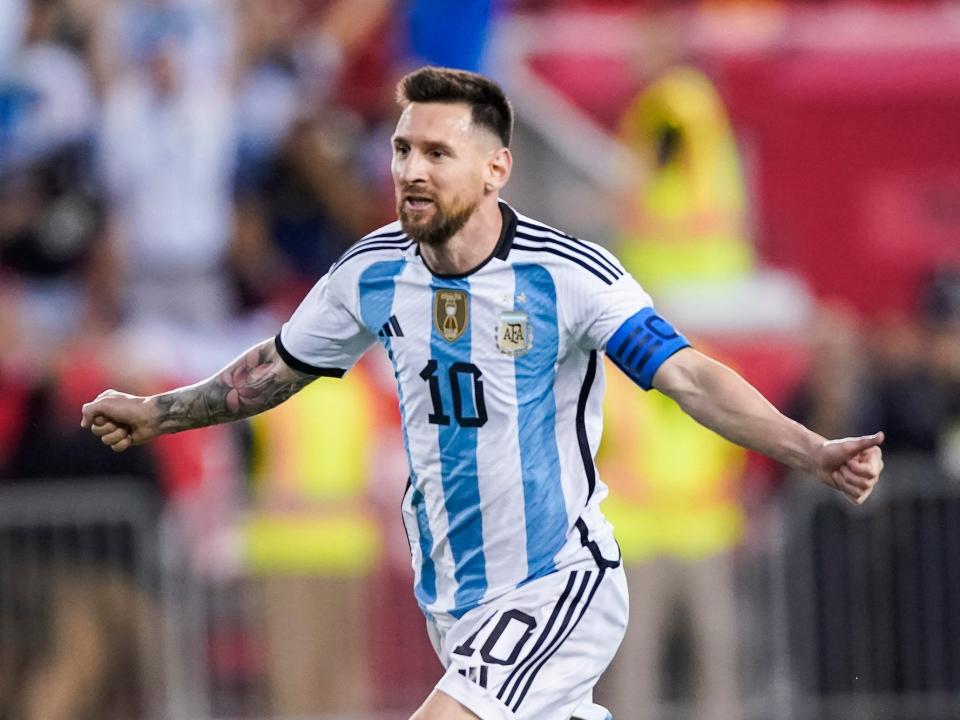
x,y
904,373
76,652
167,159
942,314
675,506
835,390
916,379
301,193
685,232
686,219
313,541
11,28
72,651
51,218
302,196
675,488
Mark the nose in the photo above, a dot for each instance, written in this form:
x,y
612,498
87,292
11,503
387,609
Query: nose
x,y
412,168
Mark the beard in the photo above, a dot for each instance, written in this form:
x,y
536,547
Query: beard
x,y
438,227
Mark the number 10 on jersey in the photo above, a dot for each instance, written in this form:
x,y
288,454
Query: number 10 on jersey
x,y
450,382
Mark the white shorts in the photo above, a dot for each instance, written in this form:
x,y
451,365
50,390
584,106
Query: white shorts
x,y
537,651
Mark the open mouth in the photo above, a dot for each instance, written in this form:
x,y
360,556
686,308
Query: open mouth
x,y
417,202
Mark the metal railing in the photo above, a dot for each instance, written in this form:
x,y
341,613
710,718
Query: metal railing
x,y
89,625
867,600
845,612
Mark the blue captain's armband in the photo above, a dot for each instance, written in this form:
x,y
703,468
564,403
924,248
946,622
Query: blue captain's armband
x,y
642,345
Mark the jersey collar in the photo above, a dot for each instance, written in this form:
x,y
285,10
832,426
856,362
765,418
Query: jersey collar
x,y
507,232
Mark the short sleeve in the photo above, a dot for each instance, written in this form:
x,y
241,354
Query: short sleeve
x,y
619,319
324,336
600,309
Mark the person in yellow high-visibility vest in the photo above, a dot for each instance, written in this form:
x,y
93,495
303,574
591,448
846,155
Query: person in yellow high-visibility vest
x,y
685,221
673,484
312,542
674,505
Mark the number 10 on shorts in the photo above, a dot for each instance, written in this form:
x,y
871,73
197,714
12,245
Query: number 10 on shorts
x,y
504,643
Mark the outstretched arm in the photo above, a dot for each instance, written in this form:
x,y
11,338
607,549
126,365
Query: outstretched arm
x,y
721,400
256,381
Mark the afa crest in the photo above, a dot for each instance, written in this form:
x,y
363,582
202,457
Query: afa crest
x,y
450,313
514,333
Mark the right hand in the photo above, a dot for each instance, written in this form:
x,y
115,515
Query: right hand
x,y
120,420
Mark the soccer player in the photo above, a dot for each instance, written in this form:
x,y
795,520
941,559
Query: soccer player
x,y
494,323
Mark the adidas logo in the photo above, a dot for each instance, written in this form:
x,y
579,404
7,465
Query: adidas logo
x,y
391,328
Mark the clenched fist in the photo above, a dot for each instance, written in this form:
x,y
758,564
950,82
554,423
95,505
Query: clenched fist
x,y
121,420
852,465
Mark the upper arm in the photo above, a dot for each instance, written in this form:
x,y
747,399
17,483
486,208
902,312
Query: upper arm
x,y
681,374
323,337
642,344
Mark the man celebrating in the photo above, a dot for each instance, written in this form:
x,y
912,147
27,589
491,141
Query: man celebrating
x,y
494,324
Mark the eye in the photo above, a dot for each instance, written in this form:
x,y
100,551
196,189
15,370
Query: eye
x,y
437,154
401,150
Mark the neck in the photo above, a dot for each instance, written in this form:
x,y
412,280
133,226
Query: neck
x,y
470,246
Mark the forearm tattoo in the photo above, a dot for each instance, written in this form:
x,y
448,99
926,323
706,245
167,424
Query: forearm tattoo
x,y
254,382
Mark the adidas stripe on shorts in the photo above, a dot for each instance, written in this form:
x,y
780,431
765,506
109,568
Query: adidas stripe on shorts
x,y
536,652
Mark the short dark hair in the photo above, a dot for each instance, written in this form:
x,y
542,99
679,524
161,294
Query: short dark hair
x,y
489,107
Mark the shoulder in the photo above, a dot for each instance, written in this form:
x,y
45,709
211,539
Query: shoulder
x,y
389,242
549,246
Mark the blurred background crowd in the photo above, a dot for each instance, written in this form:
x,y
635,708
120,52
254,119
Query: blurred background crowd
x,y
782,176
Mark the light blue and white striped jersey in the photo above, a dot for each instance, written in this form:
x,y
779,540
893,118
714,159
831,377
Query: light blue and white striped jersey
x,y
500,390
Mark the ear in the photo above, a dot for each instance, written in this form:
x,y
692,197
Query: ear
x,y
498,168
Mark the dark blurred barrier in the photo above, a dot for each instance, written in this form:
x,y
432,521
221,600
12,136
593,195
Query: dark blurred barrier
x,y
845,612
77,590
87,626
102,616
870,599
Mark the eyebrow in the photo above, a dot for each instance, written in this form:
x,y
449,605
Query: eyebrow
x,y
428,145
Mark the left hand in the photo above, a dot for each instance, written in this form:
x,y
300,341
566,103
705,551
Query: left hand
x,y
851,465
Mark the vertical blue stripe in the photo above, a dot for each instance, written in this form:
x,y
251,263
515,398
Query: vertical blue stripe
x,y
458,464
377,286
426,589
544,507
